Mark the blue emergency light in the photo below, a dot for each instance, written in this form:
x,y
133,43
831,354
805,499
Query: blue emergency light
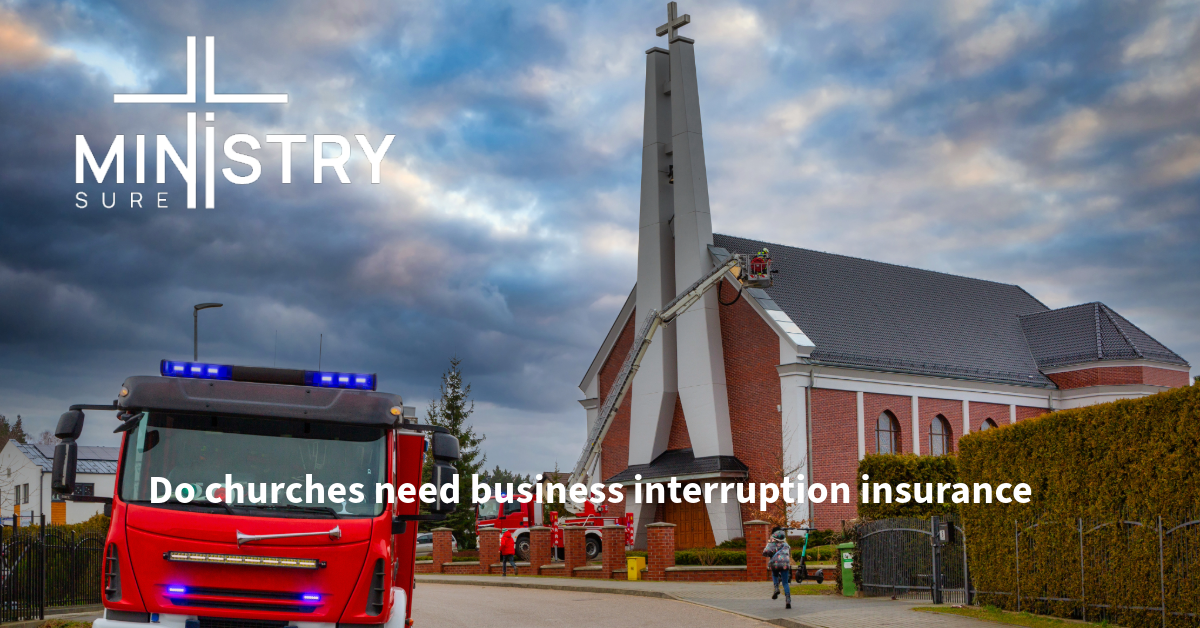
x,y
325,379
195,370
262,375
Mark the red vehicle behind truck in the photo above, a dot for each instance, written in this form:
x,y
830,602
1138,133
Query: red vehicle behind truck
x,y
261,437
519,516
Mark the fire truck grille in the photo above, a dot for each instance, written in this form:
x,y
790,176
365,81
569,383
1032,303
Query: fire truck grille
x,y
245,606
225,622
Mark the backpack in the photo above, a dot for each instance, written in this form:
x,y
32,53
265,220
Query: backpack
x,y
780,553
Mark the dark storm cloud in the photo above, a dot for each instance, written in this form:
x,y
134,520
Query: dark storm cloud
x,y
1052,145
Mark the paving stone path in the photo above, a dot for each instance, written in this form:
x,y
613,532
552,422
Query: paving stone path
x,y
749,599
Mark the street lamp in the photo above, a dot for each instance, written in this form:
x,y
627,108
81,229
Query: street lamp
x,y
196,327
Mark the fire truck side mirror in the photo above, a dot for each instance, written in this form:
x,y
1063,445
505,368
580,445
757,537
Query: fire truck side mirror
x,y
443,474
445,447
62,475
70,425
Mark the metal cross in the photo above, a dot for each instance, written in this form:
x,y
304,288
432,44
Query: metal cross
x,y
673,23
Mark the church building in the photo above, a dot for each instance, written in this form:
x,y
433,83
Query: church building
x,y
840,358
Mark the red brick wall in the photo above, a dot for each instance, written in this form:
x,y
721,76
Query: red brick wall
x,y
1164,377
614,453
980,412
679,435
901,406
834,451
930,408
751,351
1119,375
1024,412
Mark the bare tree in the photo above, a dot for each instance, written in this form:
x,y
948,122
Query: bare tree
x,y
46,438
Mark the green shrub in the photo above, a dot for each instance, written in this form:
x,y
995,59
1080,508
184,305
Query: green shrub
x,y
710,556
738,543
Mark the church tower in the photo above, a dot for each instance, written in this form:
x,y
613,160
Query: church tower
x,y
675,230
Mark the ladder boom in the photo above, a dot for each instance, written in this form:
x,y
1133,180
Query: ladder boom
x,y
633,360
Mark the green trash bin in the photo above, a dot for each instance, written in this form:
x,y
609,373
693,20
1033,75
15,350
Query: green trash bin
x,y
846,558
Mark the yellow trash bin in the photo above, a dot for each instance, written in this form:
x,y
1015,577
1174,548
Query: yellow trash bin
x,y
635,565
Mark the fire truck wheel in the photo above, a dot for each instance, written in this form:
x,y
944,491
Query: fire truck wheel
x,y
592,548
523,548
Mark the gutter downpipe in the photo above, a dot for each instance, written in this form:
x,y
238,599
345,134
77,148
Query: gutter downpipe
x,y
808,441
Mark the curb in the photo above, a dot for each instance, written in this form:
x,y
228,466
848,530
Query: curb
x,y
784,622
89,612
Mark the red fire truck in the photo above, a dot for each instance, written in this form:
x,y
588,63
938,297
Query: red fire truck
x,y
518,516
278,552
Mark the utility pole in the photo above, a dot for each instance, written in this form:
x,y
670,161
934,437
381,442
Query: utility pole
x,y
196,327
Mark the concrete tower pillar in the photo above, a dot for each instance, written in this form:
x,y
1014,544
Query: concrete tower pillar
x,y
652,398
701,359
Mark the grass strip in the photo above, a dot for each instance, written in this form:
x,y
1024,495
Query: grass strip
x,y
993,614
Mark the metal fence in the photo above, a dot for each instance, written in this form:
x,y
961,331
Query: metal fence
x,y
1136,573
915,559
46,567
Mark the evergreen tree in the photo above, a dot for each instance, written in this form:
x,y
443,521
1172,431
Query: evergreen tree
x,y
451,411
504,476
5,429
18,432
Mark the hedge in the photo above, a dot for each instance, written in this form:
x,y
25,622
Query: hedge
x,y
906,468
1132,461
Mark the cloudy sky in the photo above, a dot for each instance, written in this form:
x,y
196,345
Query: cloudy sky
x,y
1055,145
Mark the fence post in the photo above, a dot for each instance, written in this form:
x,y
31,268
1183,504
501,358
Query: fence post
x,y
42,588
1017,545
1162,586
935,587
966,569
1082,580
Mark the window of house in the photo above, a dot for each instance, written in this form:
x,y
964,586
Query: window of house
x,y
987,425
939,436
26,496
887,434
86,489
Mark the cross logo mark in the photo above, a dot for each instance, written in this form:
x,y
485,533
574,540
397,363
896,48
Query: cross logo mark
x,y
210,90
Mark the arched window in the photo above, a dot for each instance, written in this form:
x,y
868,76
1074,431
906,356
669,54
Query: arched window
x,y
939,436
987,425
887,434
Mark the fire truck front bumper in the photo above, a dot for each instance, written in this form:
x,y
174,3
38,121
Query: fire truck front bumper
x,y
123,619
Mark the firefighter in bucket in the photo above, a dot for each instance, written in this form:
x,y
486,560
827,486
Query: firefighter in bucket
x,y
756,272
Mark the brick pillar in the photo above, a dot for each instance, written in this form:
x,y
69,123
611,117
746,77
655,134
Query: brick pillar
x,y
614,549
756,540
489,547
442,551
660,541
539,548
576,556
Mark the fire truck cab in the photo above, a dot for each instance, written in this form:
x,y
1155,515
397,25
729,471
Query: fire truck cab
x,y
246,498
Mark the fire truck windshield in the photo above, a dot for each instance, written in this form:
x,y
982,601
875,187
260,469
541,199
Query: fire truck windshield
x,y
200,449
489,509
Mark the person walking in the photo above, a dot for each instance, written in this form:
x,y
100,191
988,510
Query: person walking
x,y
508,549
779,555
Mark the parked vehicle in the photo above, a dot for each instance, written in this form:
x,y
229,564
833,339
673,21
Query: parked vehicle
x,y
519,516
425,544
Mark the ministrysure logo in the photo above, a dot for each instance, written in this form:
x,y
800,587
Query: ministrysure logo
x,y
165,151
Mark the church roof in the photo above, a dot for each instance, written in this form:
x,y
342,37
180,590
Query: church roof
x,y
681,463
1087,333
868,314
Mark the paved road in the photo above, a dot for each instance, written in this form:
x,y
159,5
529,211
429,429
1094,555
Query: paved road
x,y
743,600
455,606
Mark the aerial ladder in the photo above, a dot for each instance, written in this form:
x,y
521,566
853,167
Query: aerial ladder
x,y
751,271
